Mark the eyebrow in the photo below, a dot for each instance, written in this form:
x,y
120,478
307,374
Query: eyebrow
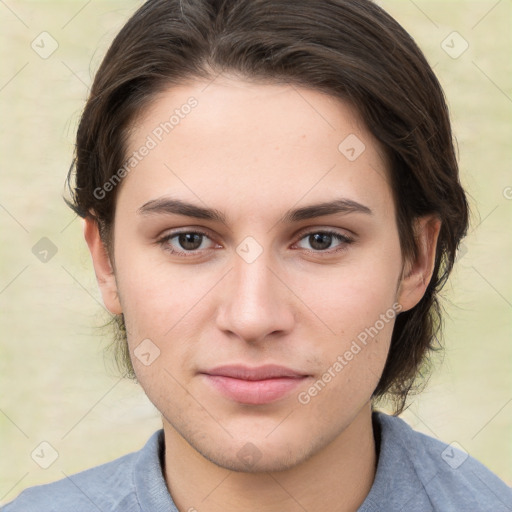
x,y
170,206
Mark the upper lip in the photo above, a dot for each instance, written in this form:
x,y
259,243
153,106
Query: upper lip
x,y
269,371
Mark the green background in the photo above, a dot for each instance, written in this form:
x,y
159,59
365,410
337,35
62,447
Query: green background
x,y
56,385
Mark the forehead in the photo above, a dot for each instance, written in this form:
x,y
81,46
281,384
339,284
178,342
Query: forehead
x,y
234,140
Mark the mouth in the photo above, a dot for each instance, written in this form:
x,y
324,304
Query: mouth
x,y
254,386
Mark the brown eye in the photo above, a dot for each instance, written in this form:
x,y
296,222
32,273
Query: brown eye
x,y
190,241
322,241
186,243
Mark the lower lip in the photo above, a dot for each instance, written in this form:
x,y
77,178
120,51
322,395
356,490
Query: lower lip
x,y
254,392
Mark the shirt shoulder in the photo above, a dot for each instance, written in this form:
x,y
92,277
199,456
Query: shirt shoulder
x,y
110,486
426,474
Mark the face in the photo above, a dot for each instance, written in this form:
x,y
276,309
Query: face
x,y
257,234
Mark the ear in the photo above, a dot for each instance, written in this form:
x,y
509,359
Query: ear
x,y
102,266
416,274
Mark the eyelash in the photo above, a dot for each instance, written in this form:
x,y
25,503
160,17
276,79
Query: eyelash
x,y
343,239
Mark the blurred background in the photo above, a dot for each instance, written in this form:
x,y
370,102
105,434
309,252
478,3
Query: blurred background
x,y
63,407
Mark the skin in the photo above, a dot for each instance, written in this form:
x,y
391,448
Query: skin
x,y
253,152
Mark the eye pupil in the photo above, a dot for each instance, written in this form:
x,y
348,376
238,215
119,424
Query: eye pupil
x,y
320,241
190,241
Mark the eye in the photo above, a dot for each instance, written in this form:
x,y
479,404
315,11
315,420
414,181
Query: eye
x,y
191,243
186,242
322,241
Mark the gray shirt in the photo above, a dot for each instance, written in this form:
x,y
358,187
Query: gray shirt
x,y
415,473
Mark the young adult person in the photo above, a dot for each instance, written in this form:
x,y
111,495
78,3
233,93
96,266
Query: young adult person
x,y
272,204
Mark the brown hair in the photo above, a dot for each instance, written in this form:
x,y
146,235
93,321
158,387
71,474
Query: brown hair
x,y
349,49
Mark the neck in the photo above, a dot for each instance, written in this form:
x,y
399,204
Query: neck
x,y
336,478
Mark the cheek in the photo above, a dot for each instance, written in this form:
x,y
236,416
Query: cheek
x,y
352,364
357,303
351,297
164,309
156,295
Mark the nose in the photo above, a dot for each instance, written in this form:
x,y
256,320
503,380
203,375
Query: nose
x,y
254,302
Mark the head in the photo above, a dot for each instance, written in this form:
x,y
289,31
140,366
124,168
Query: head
x,y
237,123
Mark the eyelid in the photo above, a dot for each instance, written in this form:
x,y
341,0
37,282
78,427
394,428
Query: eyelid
x,y
309,230
344,239
162,240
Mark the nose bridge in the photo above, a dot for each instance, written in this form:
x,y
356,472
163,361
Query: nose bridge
x,y
253,280
255,304
251,272
254,285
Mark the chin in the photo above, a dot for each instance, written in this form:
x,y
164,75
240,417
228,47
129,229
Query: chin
x,y
251,460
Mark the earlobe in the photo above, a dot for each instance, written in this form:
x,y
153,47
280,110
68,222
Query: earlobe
x,y
417,273
102,266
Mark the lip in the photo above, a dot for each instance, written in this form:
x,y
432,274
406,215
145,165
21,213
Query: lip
x,y
254,386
